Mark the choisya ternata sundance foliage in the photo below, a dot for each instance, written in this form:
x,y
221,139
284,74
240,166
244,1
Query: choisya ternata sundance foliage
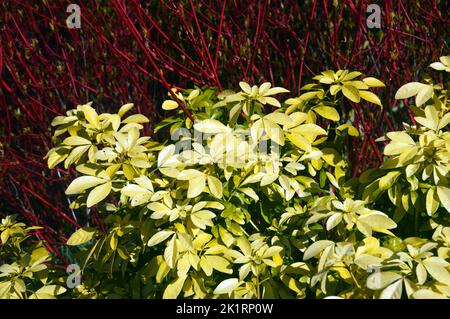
x,y
244,203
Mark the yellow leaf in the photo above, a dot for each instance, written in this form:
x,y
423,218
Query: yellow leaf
x,y
437,270
280,118
408,90
371,97
91,115
327,112
379,280
351,93
125,108
299,141
226,286
316,248
196,186
424,94
169,105
215,186
98,194
136,118
274,90
171,253
245,87
165,154
159,237
373,82
82,183
444,196
219,263
432,201
377,220
76,140
81,236
174,288
427,294
210,126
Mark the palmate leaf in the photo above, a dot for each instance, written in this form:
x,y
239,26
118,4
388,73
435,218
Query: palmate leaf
x,y
297,200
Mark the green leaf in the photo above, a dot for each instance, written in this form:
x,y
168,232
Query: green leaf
x,y
81,236
234,113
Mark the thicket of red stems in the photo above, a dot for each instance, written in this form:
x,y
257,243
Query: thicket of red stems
x,y
133,51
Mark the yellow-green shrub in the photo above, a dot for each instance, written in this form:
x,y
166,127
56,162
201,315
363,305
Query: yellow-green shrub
x,y
207,214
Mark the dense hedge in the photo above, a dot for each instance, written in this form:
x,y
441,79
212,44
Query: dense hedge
x,y
131,51
245,202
